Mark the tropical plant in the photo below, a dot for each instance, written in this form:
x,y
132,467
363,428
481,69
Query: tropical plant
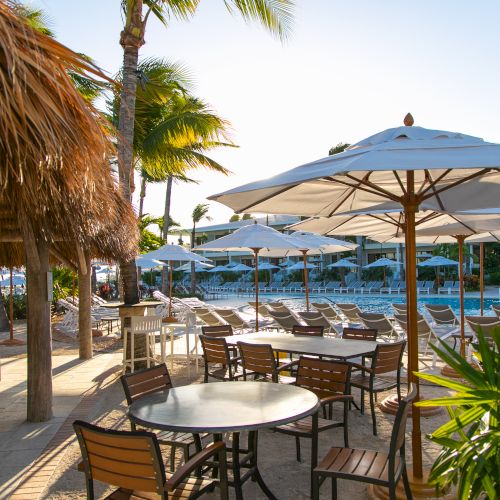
x,y
200,212
338,148
275,15
470,457
65,283
234,218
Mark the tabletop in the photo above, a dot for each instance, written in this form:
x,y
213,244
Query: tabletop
x,y
224,407
305,344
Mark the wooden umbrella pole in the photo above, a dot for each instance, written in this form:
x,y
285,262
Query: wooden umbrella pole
x,y
170,288
410,208
306,277
481,277
256,252
460,241
11,308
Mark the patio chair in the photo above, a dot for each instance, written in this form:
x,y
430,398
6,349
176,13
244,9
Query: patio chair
x,y
133,462
350,311
217,352
231,317
258,360
484,323
311,331
151,380
442,314
380,323
328,311
446,288
329,380
285,320
425,286
386,359
392,286
375,467
369,334
315,318
208,316
496,309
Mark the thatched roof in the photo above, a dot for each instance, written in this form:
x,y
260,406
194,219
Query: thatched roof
x,y
54,153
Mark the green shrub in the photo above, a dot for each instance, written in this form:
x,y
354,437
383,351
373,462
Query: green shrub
x,y
18,305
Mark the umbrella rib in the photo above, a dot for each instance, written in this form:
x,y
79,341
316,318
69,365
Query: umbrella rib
x,y
265,198
433,215
400,182
391,221
366,182
463,224
344,198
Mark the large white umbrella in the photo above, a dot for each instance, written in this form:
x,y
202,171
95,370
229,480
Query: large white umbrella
x,y
266,266
255,238
147,263
400,169
313,244
342,263
299,266
241,268
438,261
170,254
217,269
198,268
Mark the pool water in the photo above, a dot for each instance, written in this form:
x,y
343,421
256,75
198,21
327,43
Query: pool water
x,y
383,304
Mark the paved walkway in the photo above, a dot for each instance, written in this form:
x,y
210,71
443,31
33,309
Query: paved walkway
x,y
22,443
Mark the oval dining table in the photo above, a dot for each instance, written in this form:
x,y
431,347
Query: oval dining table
x,y
220,407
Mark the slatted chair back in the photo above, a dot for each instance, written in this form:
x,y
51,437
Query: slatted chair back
x,y
399,308
145,324
327,310
350,311
284,319
129,460
215,350
387,357
369,334
324,377
315,318
378,322
308,330
442,314
258,358
484,323
277,306
398,437
496,309
231,317
208,316
145,382
263,310
217,331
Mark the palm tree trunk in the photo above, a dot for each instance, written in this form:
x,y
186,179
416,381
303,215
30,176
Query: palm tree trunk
x,y
166,213
131,39
193,274
4,320
142,195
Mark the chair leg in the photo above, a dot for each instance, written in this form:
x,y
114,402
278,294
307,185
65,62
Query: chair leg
x,y
297,447
315,487
172,457
334,488
406,483
374,418
362,405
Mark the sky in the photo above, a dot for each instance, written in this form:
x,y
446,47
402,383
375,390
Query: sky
x,y
347,71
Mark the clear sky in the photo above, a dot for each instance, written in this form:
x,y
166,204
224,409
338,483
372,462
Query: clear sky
x,y
349,69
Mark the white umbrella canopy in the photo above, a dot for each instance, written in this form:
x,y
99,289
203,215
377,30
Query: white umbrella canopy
x,y
405,168
438,260
218,269
198,268
175,253
266,266
300,266
241,268
254,237
147,263
382,262
343,263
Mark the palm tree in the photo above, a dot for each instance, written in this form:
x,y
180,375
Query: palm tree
x,y
275,15
200,211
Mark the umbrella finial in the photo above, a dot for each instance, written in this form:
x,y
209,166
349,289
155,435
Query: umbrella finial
x,y
408,120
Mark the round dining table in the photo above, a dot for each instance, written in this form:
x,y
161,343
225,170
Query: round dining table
x,y
220,407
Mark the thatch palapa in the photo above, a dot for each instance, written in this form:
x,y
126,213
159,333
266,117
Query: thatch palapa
x,y
57,193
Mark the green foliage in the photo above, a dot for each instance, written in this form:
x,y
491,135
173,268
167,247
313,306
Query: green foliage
x,y
18,305
247,217
64,281
470,457
341,146
234,218
296,276
376,273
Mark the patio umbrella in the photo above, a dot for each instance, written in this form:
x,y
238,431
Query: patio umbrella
x,y
403,169
241,268
217,269
169,254
266,266
198,268
383,262
254,237
312,244
342,263
147,263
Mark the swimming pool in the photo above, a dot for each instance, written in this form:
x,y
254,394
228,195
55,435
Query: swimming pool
x,y
383,304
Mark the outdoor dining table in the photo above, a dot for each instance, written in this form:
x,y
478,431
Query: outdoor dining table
x,y
221,407
303,344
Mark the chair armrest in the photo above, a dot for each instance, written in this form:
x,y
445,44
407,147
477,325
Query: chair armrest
x,y
236,359
333,399
287,366
361,367
193,463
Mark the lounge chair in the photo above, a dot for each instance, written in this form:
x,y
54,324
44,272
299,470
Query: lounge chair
x,y
446,288
328,311
278,306
208,316
399,308
442,314
332,286
425,286
350,311
263,310
285,320
357,287
316,318
294,286
484,323
379,322
231,317
391,287
496,309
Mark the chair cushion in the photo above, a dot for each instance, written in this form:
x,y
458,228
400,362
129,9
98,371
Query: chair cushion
x,y
348,463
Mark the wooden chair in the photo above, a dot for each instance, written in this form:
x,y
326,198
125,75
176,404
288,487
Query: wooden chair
x,y
149,381
311,331
387,358
216,351
132,461
259,360
368,466
217,331
329,380
369,334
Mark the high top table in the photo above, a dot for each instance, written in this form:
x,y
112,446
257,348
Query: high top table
x,y
304,344
220,407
